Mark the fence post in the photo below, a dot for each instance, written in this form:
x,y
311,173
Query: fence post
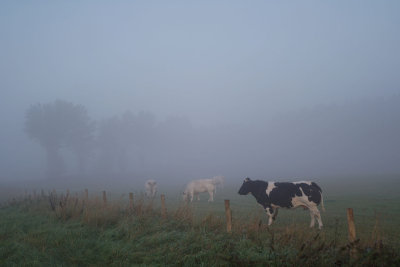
x,y
163,208
104,198
352,232
86,194
228,214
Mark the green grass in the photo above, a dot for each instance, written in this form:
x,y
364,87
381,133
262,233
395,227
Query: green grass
x,y
88,234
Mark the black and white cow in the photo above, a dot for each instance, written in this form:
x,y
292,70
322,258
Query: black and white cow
x,y
274,195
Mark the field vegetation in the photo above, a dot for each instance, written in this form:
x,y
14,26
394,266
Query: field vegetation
x,y
47,228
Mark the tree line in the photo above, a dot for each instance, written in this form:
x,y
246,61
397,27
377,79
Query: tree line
x,y
350,138
111,145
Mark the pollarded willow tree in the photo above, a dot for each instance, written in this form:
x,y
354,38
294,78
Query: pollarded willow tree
x,y
58,124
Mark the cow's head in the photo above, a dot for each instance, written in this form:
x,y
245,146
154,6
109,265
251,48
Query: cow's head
x,y
246,187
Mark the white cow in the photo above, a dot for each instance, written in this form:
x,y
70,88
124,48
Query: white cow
x,y
202,185
151,188
218,180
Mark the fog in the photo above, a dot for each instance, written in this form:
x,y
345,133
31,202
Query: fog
x,y
179,90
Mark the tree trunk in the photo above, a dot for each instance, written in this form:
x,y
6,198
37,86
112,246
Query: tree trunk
x,y
55,163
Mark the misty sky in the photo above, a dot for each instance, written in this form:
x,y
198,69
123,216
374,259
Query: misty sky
x,y
213,62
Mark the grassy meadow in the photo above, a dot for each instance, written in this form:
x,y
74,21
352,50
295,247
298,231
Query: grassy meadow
x,y
56,228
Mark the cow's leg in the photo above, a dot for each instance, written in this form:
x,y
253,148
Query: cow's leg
x,y
275,213
270,213
312,218
314,212
318,216
211,193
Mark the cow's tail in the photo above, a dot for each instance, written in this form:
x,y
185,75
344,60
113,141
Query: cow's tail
x,y
322,197
322,203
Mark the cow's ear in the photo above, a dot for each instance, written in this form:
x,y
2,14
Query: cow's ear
x,y
247,179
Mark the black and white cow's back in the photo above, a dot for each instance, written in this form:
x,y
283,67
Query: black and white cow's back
x,y
274,195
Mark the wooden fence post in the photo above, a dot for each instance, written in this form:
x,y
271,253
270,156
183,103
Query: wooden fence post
x,y
228,214
352,228
352,232
131,202
163,208
104,198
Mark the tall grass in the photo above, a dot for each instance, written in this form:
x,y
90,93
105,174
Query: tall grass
x,y
64,229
